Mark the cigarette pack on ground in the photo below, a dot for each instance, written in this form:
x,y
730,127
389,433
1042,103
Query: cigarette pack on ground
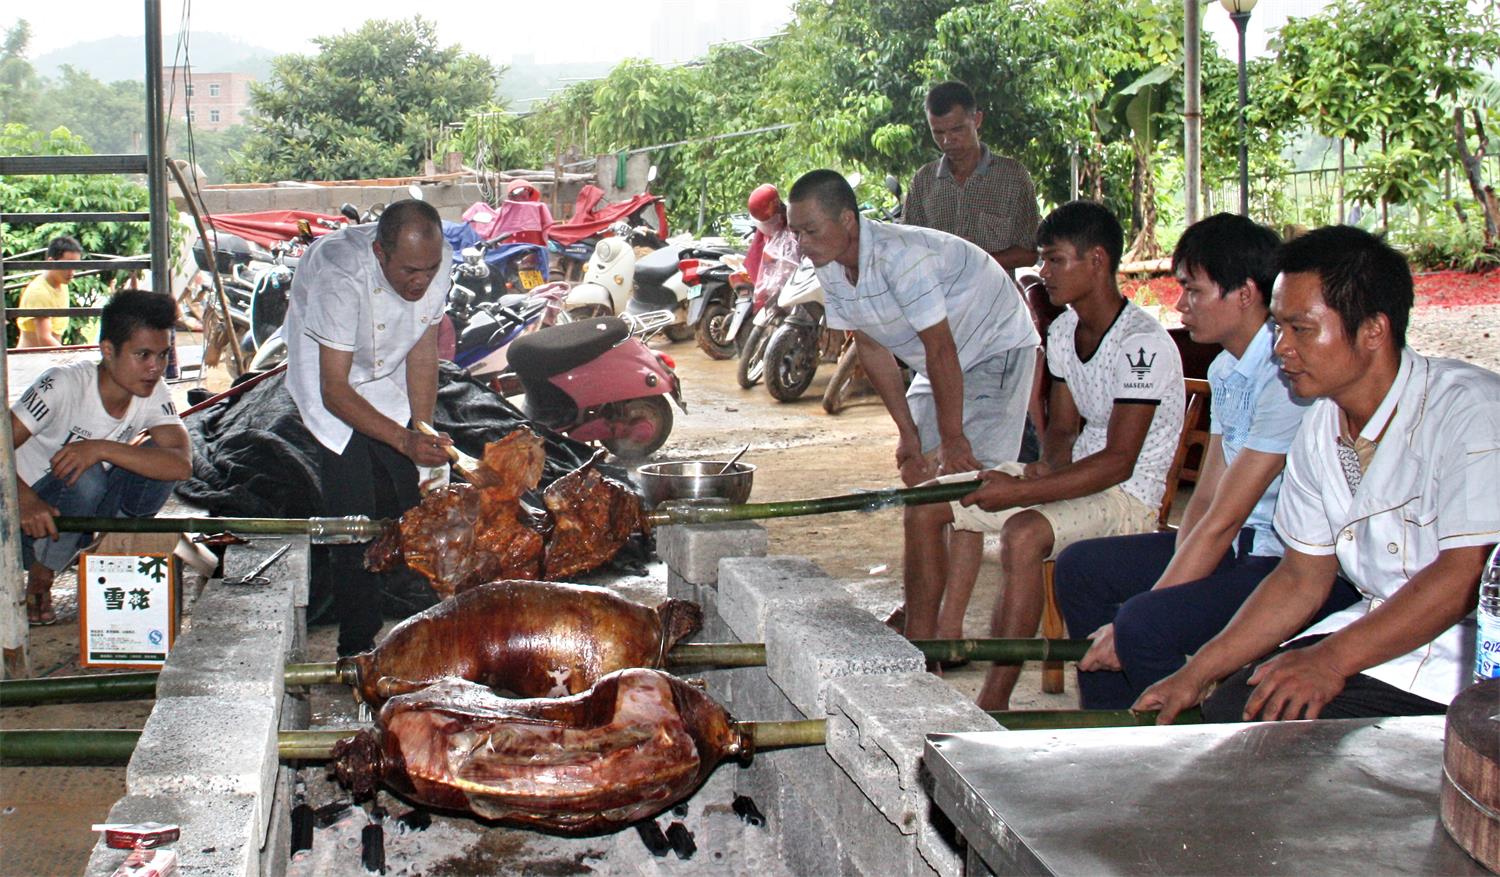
x,y
148,863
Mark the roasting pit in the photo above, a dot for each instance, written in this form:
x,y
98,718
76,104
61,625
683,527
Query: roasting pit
x,y
856,805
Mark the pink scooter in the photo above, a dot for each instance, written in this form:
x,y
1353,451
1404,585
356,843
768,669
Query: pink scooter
x,y
596,380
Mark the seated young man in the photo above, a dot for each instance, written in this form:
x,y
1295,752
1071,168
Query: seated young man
x,y
1389,483
73,436
1150,600
1115,417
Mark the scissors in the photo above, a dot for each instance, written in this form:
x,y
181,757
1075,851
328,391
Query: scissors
x,y
255,577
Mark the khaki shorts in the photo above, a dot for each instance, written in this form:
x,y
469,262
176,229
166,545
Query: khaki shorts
x,y
1110,512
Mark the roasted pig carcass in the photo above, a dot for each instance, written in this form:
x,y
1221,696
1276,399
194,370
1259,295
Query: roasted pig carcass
x,y
592,517
633,745
527,639
466,534
460,536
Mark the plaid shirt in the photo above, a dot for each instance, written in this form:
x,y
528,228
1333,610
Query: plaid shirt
x,y
994,208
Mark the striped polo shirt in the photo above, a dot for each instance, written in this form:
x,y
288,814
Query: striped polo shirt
x,y
911,279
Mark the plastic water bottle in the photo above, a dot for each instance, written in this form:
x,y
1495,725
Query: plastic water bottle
x,y
1487,643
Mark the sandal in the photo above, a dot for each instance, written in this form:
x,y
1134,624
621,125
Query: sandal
x,y
39,608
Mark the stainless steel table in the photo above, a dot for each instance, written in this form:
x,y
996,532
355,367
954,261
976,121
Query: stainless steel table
x,y
1323,797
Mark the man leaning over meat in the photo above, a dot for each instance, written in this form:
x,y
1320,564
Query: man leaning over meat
x,y
362,368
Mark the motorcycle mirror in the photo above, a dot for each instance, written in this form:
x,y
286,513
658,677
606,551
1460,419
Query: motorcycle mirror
x,y
415,191
651,175
893,185
349,212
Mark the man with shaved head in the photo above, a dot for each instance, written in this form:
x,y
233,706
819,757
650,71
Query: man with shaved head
x,y
361,334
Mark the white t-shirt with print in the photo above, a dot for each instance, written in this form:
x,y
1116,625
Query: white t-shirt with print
x,y
63,405
340,299
1137,362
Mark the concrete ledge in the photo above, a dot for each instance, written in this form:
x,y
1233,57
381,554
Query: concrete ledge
x,y
751,587
220,833
228,664
693,551
810,645
877,728
209,746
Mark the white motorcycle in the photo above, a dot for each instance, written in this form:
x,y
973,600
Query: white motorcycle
x,y
617,282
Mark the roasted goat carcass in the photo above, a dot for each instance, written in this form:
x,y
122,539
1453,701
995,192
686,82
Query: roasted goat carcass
x,y
466,534
528,639
636,743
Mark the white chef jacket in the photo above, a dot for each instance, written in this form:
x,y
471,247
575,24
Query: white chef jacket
x,y
341,299
1432,485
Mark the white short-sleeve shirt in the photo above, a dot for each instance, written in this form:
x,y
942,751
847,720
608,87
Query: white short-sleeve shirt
x,y
63,405
1431,486
1136,363
911,279
340,299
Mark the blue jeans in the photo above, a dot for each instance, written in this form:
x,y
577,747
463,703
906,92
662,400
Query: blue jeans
x,y
1109,580
98,493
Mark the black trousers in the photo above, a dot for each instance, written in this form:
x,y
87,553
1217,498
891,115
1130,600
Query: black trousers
x,y
368,478
1363,697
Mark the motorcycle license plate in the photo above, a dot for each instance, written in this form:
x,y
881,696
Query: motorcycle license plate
x,y
530,279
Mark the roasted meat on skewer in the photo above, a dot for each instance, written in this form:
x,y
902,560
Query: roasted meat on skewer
x,y
465,534
528,639
630,747
592,517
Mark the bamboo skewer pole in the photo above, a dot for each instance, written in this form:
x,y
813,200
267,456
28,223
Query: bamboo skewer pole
x,y
710,512
322,531
68,746
128,686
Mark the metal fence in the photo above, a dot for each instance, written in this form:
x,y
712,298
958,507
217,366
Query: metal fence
x,y
1311,198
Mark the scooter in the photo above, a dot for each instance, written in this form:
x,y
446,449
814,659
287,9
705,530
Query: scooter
x,y
802,291
616,282
482,330
802,340
725,289
596,380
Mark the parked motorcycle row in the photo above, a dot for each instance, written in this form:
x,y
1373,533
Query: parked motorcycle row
x,y
563,312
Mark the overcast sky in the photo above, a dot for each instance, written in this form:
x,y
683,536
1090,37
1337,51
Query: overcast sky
x,y
583,30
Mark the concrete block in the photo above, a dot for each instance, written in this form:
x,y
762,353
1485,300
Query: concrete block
x,y
873,847
276,850
756,697
750,587
220,833
195,746
877,728
811,837
809,646
693,551
243,608
209,661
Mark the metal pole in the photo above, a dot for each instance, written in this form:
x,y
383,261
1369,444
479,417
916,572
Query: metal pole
x,y
156,148
1192,114
1240,19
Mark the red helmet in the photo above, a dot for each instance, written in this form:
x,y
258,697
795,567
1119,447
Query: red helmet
x,y
520,190
764,202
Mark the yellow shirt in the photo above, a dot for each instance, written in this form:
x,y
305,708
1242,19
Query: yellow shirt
x,y
41,294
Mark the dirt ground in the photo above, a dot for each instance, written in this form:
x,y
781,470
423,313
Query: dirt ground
x,y
799,451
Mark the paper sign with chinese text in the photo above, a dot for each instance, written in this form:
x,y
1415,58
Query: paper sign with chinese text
x,y
127,609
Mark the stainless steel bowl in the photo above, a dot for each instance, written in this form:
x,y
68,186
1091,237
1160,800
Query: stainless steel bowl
x,y
695,479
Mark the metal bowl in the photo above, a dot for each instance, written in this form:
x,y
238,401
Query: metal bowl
x,y
695,479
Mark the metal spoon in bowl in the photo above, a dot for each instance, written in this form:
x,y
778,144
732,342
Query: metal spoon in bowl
x,y
734,459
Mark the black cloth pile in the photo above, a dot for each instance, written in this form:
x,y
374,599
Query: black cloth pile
x,y
252,457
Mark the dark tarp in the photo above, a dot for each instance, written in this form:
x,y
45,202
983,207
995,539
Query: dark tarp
x,y
252,457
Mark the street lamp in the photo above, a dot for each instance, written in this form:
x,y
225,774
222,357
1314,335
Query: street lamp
x,y
1239,13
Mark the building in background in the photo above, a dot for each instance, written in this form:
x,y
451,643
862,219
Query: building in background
x,y
215,101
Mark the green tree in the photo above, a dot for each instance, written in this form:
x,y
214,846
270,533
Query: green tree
x,y
18,79
369,104
108,117
1387,74
41,194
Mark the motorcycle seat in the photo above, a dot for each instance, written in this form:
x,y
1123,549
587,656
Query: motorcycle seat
x,y
513,300
655,268
558,349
